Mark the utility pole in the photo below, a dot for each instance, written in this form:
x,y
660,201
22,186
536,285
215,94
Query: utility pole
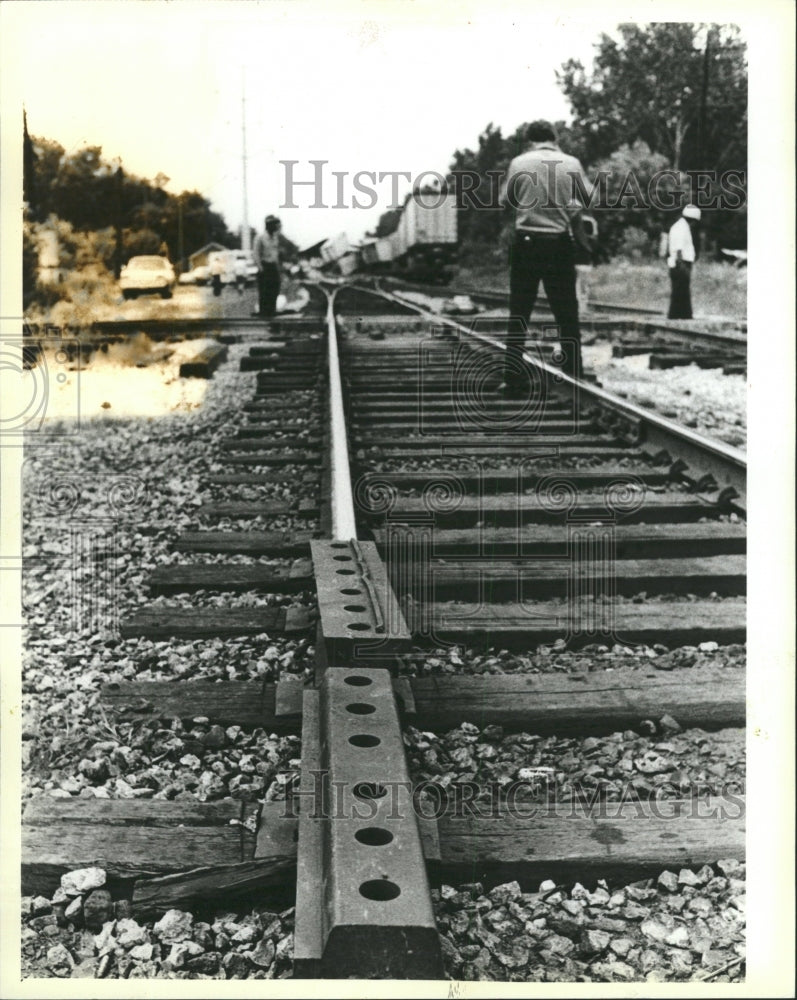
x,y
701,123
28,167
246,242
180,247
117,257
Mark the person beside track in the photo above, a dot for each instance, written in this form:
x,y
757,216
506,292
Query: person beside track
x,y
681,255
541,187
266,253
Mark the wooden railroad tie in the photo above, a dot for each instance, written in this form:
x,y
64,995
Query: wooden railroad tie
x,y
631,541
256,508
216,853
164,621
308,456
520,626
205,363
254,442
231,577
285,544
509,508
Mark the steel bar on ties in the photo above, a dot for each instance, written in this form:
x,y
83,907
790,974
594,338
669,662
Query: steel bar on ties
x,y
363,906
343,523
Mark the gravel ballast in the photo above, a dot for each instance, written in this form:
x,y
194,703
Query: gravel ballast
x,y
72,748
135,483
558,659
84,933
682,926
108,478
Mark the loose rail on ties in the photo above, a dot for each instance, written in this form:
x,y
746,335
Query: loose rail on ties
x,y
343,523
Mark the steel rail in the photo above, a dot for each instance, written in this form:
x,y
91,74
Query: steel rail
x,y
499,295
363,905
644,319
344,525
727,464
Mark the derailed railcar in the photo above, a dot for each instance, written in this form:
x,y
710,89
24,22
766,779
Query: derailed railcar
x,y
427,236
335,248
424,245
349,263
377,254
430,219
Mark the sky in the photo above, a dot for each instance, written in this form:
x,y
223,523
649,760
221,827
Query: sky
x,y
364,86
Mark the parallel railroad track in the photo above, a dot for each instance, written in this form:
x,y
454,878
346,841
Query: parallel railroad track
x,y
448,518
630,329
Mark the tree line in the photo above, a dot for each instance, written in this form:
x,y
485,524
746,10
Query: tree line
x,y
92,195
661,97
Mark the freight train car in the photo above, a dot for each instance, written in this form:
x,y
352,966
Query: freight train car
x,y
349,263
377,255
424,244
335,248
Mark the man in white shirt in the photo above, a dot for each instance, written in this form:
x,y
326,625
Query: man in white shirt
x,y
681,256
216,261
266,253
542,186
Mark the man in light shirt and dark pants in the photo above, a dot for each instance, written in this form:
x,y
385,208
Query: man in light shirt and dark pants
x,y
542,188
681,256
266,253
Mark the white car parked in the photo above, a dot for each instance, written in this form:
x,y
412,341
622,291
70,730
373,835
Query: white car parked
x,y
230,263
147,273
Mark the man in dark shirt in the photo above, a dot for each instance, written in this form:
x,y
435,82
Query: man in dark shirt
x,y
266,254
541,188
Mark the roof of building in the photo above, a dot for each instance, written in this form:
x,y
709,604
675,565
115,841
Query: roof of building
x,y
207,248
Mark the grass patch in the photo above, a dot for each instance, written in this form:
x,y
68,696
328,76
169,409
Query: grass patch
x,y
717,289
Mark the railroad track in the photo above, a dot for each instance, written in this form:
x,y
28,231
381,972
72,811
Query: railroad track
x,y
630,329
80,343
442,520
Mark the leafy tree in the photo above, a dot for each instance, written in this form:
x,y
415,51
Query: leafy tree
x,y
624,182
479,220
388,223
30,263
139,241
86,191
681,88
43,160
636,244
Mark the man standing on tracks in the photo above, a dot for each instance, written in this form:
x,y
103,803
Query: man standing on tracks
x,y
681,255
266,252
541,187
